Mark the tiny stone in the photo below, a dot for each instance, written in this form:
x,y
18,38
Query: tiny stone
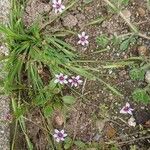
x,y
97,137
141,11
2,131
70,21
142,50
127,14
110,71
147,76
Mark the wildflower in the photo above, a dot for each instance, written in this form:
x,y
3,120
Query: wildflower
x,y
132,122
75,81
83,39
59,135
126,109
58,6
60,78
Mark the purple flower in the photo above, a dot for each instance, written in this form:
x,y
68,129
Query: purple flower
x,y
60,78
59,135
126,109
83,39
75,81
57,5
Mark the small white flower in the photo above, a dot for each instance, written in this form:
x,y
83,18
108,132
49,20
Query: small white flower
x,y
58,6
60,78
83,39
75,81
132,122
126,109
59,135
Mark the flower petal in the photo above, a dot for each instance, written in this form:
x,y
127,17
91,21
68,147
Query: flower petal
x,y
55,135
130,112
83,43
86,37
122,111
87,42
70,80
56,11
61,82
75,84
59,2
62,7
56,131
62,139
80,81
83,34
57,140
62,131
57,75
54,6
78,77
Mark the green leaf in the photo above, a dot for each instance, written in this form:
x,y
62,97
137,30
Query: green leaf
x,y
140,95
79,144
125,44
102,40
68,99
68,143
137,74
48,111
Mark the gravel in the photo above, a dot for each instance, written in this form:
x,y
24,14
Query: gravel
x,y
4,100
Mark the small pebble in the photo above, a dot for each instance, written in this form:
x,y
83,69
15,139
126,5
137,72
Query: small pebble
x,y
141,11
142,50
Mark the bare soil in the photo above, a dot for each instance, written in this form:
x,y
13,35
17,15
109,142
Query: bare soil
x,y
96,117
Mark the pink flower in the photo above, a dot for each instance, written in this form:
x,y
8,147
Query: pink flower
x,y
57,5
59,135
60,78
83,39
75,81
126,109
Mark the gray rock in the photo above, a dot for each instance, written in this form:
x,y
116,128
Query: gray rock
x,y
70,21
4,100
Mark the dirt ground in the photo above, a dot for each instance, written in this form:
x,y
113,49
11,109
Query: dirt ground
x,y
96,117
